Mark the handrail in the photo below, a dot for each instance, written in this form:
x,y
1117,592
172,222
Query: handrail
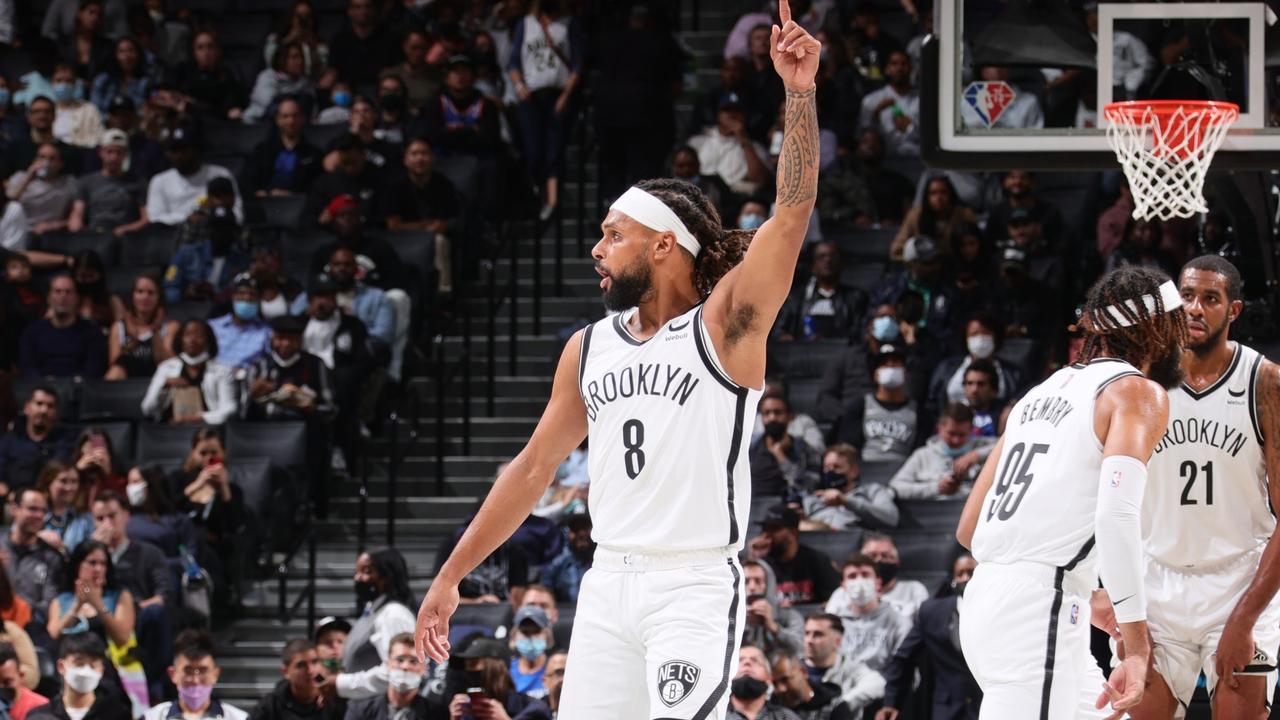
x,y
287,610
396,457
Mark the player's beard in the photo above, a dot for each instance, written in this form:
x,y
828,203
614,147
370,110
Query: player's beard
x,y
1210,341
1167,369
630,287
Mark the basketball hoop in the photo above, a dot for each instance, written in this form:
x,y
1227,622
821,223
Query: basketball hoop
x,y
1165,148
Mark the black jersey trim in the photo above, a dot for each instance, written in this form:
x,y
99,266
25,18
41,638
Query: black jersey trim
x,y
716,698
1081,366
1253,400
1051,641
582,359
624,333
1222,380
1106,383
703,352
735,444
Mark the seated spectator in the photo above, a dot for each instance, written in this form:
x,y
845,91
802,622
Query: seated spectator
x,y
735,73
21,150
932,638
845,198
841,502
383,598
330,636
1114,222
567,493
983,336
750,693
894,109
241,334
394,120
860,686
1023,112
563,575
82,661
91,601
972,270
554,679
1140,246
343,344
363,124
752,215
726,150
770,625
353,177
765,92
905,595
95,459
947,465
417,79
26,302
793,689
1031,308
152,519
500,577
33,440
204,491
212,395
195,672
68,523
143,337
111,200
77,123
13,609
287,382
460,120
923,276
296,696
18,695
286,162
884,423
804,575
981,379
339,112
44,191
175,193
802,425
146,157
364,45
827,309
891,192
63,344
35,567
286,77
127,74
872,629
935,218
210,86
1018,188
276,290
488,659
203,268
97,304
298,25
426,201
12,126
685,166
356,298
781,463
531,637
1045,263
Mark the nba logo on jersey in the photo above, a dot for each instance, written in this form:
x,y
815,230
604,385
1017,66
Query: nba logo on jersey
x,y
676,680
1075,613
989,99
1115,478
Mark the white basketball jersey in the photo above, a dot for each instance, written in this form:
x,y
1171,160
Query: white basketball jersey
x,y
1207,499
668,437
1042,504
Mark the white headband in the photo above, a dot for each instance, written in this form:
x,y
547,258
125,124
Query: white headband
x,y
1170,299
654,214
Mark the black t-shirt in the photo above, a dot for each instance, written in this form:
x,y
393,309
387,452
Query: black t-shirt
x,y
436,200
809,577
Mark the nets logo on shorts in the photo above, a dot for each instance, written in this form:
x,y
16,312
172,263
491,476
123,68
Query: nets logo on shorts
x,y
676,679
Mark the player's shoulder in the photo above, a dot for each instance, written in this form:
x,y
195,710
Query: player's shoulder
x,y
1134,390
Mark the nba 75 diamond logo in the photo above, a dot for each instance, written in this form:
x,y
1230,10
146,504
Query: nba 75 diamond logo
x,y
989,100
676,679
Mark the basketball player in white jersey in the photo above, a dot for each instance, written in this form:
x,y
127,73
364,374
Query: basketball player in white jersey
x,y
665,390
1211,565
1057,506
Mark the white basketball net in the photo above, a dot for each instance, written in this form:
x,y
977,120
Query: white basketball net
x,y
1166,155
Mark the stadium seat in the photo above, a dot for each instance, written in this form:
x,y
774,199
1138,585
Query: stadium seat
x,y
152,246
836,545
1020,353
864,275
159,442
910,167
120,434
283,443
486,615
461,170
233,164
930,514
807,609
322,136
563,631
244,29
865,244
926,551
232,138
245,62
190,310
797,360
283,211
120,399
803,394
932,581
298,246
67,388
253,476
71,243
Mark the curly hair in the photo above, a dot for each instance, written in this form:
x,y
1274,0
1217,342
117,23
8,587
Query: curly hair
x,y
1145,334
722,249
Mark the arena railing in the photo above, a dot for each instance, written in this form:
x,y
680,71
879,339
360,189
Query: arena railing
x,y
287,610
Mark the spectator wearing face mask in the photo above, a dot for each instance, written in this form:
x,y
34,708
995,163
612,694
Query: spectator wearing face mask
x,y
564,574
195,672
872,629
826,309
933,638
530,639
241,334
751,691
19,699
781,463
983,335
402,701
904,595
949,461
480,663
769,625
811,701
841,502
884,423
860,686
82,659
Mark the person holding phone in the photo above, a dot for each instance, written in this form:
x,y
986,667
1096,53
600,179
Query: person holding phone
x,y
484,689
297,695
95,461
204,491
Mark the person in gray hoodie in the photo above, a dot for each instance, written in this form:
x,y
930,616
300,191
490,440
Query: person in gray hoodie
x,y
769,626
841,502
945,468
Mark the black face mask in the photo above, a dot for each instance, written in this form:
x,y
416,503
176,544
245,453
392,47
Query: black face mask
x,y
584,553
392,102
957,587
832,480
888,572
366,592
775,429
748,688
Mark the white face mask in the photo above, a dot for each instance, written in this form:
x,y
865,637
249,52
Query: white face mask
x,y
137,494
981,346
194,359
891,377
82,678
403,680
285,363
861,590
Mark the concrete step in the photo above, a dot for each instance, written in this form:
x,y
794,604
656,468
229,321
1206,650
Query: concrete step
x,y
443,510
506,386
495,426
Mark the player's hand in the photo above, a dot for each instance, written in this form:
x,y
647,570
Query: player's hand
x,y
1235,652
887,713
431,638
794,52
1123,690
1103,615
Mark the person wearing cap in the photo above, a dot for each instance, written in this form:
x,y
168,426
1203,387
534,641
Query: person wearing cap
x,y
343,344
146,157
204,268
804,575
175,193
286,162
286,382
193,365
483,666
460,120
353,177
297,695
329,636
242,335
354,297
827,308
725,149
841,501
110,200
1029,309
1019,193
1045,263
531,638
923,275
563,575
734,75
947,465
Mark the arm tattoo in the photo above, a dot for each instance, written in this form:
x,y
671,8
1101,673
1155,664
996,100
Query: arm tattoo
x,y
798,162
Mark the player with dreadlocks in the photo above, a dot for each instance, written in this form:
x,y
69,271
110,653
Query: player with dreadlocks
x,y
1057,507
664,389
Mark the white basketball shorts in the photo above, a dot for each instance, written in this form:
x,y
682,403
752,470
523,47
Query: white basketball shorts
x,y
1024,630
655,637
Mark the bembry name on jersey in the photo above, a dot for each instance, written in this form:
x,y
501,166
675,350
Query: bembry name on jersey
x,y
1207,432
1052,409
658,379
